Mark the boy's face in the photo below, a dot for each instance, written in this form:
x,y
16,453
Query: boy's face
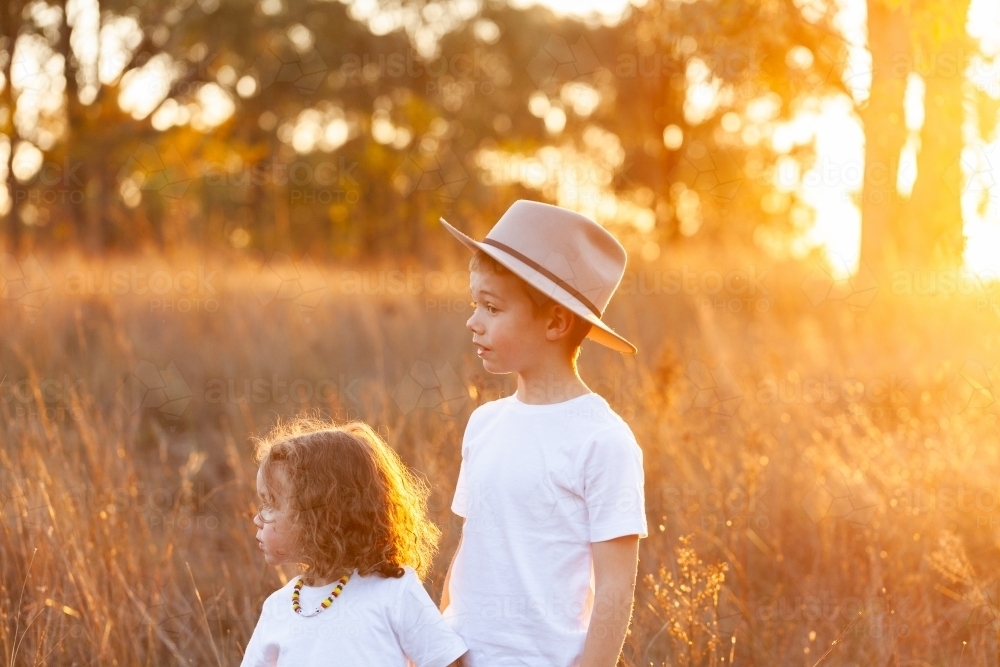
x,y
275,536
507,334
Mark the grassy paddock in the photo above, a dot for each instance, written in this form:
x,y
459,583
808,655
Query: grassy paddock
x,y
817,468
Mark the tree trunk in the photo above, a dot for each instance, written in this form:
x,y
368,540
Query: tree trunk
x,y
13,216
10,27
885,134
85,210
934,235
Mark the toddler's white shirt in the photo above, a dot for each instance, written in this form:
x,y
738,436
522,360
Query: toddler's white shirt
x,y
375,622
537,485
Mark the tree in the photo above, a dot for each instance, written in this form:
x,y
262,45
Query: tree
x,y
418,124
882,118
10,27
932,233
926,37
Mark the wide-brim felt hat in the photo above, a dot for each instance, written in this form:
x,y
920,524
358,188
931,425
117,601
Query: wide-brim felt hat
x,y
564,255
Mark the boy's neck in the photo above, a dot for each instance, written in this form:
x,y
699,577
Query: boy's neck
x,y
544,386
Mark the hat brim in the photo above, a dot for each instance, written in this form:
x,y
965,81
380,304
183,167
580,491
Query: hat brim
x,y
599,332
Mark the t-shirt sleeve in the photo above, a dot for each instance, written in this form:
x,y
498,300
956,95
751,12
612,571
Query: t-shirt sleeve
x,y
254,655
460,503
425,637
614,485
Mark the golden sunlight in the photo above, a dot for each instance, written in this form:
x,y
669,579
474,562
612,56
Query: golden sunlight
x,y
832,186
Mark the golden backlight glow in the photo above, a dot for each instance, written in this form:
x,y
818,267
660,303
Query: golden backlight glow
x,y
833,186
820,444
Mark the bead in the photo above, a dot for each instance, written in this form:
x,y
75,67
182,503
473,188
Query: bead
x,y
297,608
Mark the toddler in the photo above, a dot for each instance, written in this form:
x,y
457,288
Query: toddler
x,y
338,502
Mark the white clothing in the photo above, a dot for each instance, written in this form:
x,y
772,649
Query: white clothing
x,y
375,622
537,485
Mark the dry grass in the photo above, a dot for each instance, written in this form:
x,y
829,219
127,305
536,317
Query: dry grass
x,y
826,454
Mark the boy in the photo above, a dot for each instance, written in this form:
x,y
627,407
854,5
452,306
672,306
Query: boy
x,y
551,482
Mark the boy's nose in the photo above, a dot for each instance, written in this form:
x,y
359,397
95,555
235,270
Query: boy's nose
x,y
472,324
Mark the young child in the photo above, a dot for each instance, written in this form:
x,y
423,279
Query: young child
x,y
551,481
338,502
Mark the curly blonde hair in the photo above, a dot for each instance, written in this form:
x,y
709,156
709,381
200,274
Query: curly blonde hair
x,y
352,502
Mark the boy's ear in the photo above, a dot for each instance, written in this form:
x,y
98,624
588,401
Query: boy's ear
x,y
560,321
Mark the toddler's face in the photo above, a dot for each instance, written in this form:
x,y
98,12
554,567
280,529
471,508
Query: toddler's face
x,y
507,335
275,536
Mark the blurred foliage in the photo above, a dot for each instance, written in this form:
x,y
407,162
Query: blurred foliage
x,y
111,180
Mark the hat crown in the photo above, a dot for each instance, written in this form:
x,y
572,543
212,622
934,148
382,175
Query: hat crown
x,y
578,253
564,255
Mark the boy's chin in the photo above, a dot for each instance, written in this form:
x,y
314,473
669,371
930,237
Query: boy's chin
x,y
492,367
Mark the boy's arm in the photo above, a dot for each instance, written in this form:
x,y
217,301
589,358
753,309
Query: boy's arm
x,y
447,577
615,564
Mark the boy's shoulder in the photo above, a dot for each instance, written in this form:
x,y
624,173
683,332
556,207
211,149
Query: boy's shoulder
x,y
590,411
490,407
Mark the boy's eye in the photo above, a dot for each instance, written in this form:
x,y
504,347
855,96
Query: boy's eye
x,y
490,308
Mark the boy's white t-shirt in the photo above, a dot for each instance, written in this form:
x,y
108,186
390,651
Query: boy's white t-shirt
x,y
375,622
537,485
